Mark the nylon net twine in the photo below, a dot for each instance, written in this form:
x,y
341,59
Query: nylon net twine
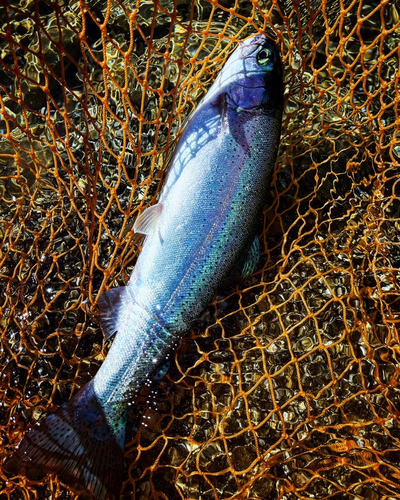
x,y
288,386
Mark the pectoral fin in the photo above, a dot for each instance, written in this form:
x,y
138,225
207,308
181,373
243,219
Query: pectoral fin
x,y
147,221
230,124
221,104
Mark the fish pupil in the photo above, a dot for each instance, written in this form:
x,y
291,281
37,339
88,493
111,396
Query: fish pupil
x,y
264,57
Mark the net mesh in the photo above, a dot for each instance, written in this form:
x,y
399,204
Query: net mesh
x,y
288,386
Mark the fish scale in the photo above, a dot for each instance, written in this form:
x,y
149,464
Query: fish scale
x,y
201,235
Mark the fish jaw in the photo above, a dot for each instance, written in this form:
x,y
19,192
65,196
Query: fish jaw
x,y
247,84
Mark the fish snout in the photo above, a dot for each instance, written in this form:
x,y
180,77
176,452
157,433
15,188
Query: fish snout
x,y
258,39
255,77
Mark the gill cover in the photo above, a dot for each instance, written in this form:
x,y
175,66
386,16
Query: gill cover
x,y
252,77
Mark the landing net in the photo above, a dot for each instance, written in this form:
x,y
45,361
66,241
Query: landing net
x,y
288,387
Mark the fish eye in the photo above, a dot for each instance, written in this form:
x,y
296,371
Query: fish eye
x,y
264,57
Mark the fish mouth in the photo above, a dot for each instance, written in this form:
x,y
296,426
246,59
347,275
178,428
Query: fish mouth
x,y
258,39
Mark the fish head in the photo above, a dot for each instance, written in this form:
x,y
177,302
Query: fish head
x,y
252,77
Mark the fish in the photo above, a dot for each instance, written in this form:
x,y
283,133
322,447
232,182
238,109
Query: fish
x,y
200,236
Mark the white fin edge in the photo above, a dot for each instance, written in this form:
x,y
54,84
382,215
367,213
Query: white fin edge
x,y
108,304
147,221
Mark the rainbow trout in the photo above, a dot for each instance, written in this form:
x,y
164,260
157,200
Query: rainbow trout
x,y
200,236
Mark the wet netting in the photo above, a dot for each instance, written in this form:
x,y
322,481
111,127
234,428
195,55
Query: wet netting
x,y
288,386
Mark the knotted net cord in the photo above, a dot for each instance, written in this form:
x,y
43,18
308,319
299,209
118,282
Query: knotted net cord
x,y
288,386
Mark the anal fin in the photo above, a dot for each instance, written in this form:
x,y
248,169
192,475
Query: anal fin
x,y
109,304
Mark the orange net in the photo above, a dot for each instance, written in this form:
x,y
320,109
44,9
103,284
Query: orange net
x,y
289,386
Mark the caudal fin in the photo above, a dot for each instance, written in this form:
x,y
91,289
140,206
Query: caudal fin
x,y
77,444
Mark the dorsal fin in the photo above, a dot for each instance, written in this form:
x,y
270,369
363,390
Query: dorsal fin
x,y
245,266
252,258
147,221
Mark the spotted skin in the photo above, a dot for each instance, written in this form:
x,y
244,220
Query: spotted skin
x,y
205,222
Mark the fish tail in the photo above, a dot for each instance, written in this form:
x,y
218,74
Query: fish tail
x,y
77,444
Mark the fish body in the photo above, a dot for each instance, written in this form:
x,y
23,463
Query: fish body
x,y
200,235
